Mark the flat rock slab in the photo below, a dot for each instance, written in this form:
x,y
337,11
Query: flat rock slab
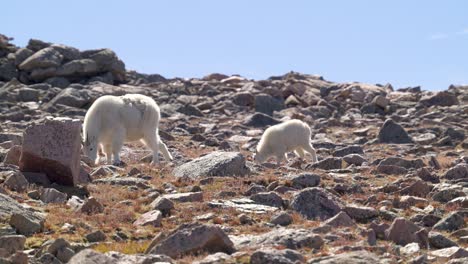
x,y
185,197
218,163
243,205
123,181
287,237
53,147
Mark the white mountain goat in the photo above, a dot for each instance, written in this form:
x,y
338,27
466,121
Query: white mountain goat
x,y
277,140
113,120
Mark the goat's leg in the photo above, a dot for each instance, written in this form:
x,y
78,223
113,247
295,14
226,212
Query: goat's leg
x,y
311,150
107,148
152,141
299,152
117,144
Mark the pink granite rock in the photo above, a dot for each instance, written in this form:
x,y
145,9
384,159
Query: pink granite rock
x,y
53,147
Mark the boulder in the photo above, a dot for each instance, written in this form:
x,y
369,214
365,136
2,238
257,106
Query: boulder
x,y
354,257
53,147
403,232
260,120
284,256
44,58
16,181
315,203
268,198
192,238
391,132
443,98
12,243
27,224
267,104
152,218
460,171
218,163
451,222
280,237
305,180
51,195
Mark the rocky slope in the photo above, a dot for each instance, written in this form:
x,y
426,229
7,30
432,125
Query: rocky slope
x,y
390,186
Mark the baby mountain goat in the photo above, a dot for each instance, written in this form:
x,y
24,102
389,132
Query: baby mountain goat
x,y
113,120
277,140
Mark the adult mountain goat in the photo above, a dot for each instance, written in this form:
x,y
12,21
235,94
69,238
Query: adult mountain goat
x,y
113,120
277,140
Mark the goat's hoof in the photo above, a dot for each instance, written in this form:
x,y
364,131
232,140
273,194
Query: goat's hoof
x,y
119,163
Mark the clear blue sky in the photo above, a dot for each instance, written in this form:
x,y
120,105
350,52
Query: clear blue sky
x,y
402,42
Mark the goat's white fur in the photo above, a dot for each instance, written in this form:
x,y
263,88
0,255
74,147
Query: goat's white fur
x,y
277,140
113,120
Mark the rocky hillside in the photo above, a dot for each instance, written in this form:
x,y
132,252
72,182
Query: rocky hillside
x,y
390,186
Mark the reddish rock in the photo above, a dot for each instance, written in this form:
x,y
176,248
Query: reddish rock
x,y
403,232
53,147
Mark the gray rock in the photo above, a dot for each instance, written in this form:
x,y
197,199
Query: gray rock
x,y
329,164
8,70
446,254
460,171
267,104
354,159
446,194
27,224
289,238
443,98
163,204
12,243
123,181
403,232
51,195
316,203
53,147
354,149
285,256
451,222
44,58
72,97
340,219
15,180
260,120
188,197
305,180
282,219
188,239
96,236
120,258
361,213
243,205
355,257
268,198
437,240
22,54
407,164
13,155
36,45
89,256
68,53
243,99
78,68
391,132
214,164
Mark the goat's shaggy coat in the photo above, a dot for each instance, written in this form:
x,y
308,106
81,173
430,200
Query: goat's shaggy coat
x,y
277,140
113,120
